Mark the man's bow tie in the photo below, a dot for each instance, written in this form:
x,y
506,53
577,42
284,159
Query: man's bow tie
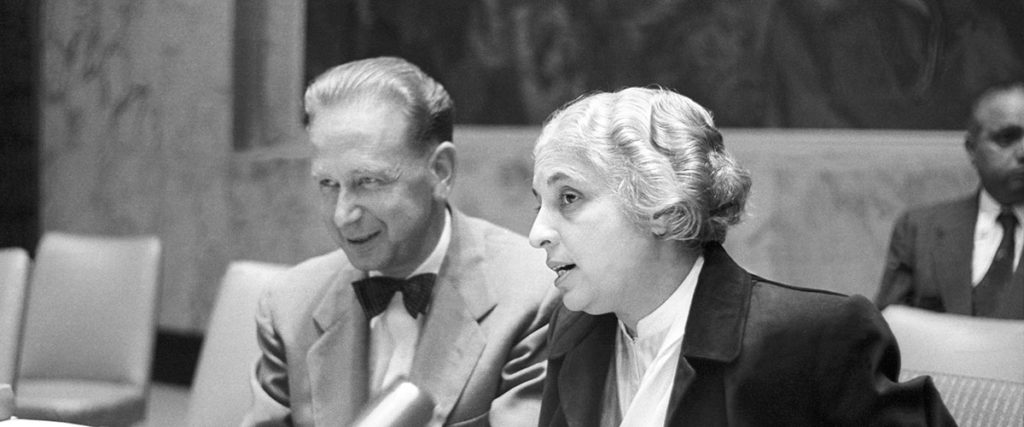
x,y
375,293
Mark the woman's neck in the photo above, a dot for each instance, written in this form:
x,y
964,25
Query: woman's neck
x,y
658,283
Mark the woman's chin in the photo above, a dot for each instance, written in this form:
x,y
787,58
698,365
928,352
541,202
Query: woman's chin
x,y
573,304
585,306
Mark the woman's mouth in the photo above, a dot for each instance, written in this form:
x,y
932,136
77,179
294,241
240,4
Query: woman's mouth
x,y
562,269
361,240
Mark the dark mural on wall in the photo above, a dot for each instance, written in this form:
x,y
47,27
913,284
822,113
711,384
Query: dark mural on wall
x,y
755,63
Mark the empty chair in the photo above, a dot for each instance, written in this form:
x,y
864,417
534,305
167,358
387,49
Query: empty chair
x,y
90,327
957,344
978,402
977,364
14,266
220,390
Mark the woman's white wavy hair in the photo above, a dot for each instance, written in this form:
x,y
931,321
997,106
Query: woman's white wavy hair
x,y
661,155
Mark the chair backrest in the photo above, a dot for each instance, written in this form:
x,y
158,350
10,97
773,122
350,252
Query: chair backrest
x,y
977,402
957,344
14,268
92,308
220,390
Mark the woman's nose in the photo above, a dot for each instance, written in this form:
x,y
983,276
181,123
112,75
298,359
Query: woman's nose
x,y
541,233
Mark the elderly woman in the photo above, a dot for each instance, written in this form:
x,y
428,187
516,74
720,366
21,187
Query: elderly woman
x,y
660,326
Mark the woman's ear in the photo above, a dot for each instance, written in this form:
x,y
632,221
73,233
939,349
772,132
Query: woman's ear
x,y
442,165
660,224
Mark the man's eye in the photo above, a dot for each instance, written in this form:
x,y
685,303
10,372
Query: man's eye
x,y
328,186
368,181
1008,136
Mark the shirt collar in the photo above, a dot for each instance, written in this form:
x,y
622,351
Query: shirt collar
x,y
677,305
989,208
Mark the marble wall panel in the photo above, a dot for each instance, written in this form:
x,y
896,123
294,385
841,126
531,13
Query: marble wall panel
x,y
144,132
135,103
823,202
268,66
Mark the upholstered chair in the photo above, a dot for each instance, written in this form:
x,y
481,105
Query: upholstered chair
x,y
977,364
90,327
220,391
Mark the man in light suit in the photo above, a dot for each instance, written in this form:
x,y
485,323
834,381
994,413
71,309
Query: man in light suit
x,y
418,290
962,256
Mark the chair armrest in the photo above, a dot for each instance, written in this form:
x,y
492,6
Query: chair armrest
x,y
6,401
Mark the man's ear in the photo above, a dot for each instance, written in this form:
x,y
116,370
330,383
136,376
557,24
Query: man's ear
x,y
970,146
442,164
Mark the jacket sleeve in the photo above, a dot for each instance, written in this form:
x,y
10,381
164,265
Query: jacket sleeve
x,y
897,285
859,370
522,377
269,379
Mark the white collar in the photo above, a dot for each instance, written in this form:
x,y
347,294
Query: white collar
x,y
989,208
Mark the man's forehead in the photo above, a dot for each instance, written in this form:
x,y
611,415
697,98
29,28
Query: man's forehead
x,y
343,166
360,157
358,147
361,137
1002,108
360,114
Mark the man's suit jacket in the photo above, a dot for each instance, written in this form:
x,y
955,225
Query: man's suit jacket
x,y
481,353
929,261
754,353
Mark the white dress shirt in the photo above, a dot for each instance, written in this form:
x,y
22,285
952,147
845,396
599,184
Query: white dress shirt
x,y
645,365
988,233
395,333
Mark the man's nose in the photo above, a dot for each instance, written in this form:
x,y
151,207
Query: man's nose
x,y
346,210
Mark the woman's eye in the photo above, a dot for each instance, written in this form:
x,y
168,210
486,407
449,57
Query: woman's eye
x,y
569,198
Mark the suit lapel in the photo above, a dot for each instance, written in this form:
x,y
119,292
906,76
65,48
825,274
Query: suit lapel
x,y
951,255
714,331
585,344
338,360
452,339
1015,310
714,327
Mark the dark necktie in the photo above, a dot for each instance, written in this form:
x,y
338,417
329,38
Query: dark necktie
x,y
991,288
375,293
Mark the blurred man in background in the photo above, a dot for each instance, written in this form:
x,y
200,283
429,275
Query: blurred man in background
x,y
963,256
